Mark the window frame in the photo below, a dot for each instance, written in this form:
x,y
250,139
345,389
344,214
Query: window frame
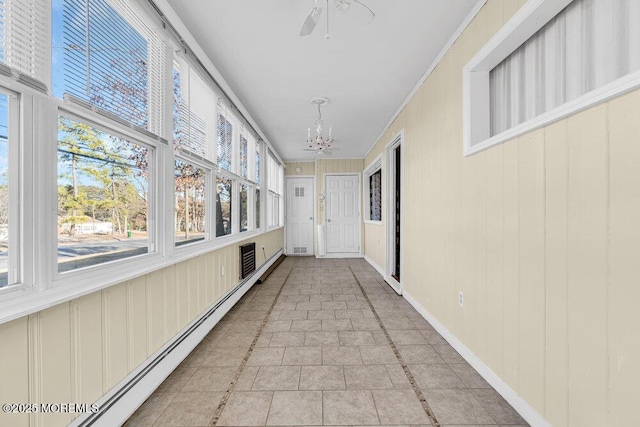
x,y
275,193
209,169
372,168
250,210
534,15
104,124
16,158
41,286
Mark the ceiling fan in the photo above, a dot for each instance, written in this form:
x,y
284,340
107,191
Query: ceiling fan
x,y
355,8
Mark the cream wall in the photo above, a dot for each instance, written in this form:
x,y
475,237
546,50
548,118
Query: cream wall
x,y
306,168
78,350
541,233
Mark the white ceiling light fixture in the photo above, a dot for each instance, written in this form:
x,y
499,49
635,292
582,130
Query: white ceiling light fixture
x,y
318,142
359,12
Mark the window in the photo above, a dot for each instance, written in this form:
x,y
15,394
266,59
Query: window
x,y
244,207
373,191
9,212
375,196
244,156
223,206
568,55
4,190
275,184
225,142
258,146
194,113
258,163
23,39
107,55
103,196
120,191
257,208
190,203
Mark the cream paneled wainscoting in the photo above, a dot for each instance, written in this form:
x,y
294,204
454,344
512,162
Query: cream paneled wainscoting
x,y
541,233
84,350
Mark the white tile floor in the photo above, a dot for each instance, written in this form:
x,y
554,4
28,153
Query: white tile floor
x,y
323,358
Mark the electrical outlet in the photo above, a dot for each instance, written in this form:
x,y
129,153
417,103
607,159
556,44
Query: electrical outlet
x,y
222,270
461,298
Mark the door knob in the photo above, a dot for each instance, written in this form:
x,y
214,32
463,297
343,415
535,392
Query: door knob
x,y
328,220
311,217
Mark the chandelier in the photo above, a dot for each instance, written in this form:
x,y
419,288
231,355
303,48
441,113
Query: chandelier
x,y
318,142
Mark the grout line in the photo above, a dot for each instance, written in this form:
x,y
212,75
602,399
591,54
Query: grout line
x,y
405,368
236,377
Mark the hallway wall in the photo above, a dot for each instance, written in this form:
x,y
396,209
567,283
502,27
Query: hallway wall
x,y
78,350
319,168
541,235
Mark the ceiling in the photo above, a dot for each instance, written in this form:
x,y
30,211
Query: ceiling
x,y
365,71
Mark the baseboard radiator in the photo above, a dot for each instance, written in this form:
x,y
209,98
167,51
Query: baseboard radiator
x,y
123,399
247,259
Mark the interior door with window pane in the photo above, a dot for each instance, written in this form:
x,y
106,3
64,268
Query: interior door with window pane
x,y
342,213
299,222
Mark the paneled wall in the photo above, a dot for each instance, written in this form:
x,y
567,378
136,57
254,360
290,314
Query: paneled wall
x,y
78,350
306,168
541,233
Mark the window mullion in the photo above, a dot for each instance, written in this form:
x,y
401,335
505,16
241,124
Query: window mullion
x,y
166,187
43,241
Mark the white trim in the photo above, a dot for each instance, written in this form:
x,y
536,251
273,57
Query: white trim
x,y
517,402
286,193
373,167
184,32
123,408
341,255
616,88
379,269
525,23
398,140
29,300
378,223
375,164
467,20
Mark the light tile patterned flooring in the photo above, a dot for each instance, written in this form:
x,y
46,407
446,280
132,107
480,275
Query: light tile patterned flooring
x,y
323,359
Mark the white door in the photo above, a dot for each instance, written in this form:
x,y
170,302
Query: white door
x,y
299,218
342,213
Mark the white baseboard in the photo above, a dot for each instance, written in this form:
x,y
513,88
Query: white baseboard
x,y
130,393
340,255
374,265
519,404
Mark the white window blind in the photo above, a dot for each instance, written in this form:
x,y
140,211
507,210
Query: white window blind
x,y
586,46
276,172
110,55
224,134
244,154
24,35
258,145
195,109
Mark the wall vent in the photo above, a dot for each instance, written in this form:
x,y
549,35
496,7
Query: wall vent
x,y
247,259
299,249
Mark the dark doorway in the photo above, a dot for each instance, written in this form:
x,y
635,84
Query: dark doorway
x,y
398,174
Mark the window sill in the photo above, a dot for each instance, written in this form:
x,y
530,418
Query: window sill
x,y
24,300
368,221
